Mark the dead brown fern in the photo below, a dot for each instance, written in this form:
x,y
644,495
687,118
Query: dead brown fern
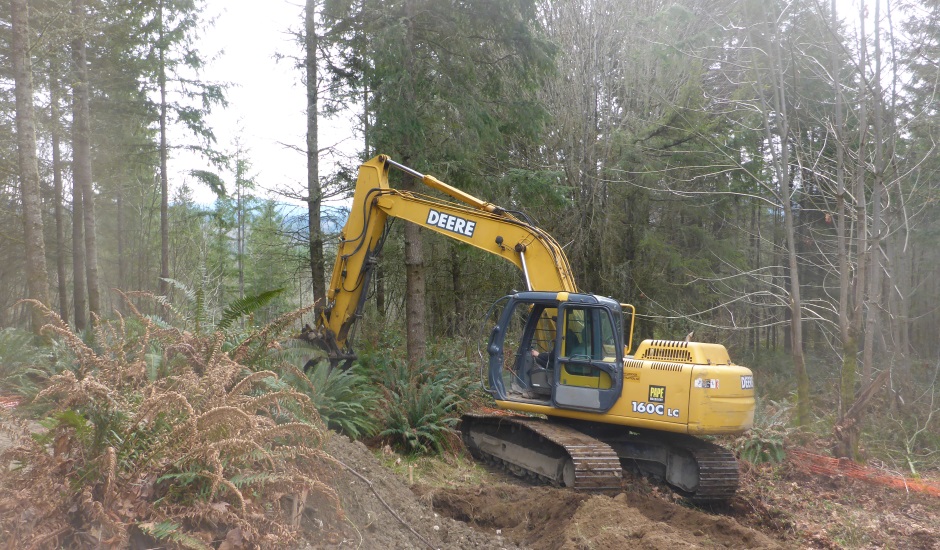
x,y
126,455
266,338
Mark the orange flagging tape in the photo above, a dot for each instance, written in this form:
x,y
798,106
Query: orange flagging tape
x,y
9,402
826,465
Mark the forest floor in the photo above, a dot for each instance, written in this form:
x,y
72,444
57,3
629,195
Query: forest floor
x,y
391,502
454,503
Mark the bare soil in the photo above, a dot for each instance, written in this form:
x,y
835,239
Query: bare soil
x,y
808,510
777,507
506,513
547,517
406,522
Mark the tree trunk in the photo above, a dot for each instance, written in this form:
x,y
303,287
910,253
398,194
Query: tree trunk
x,y
314,191
240,225
415,308
61,272
861,202
122,262
849,442
164,179
369,153
875,273
81,154
37,282
796,323
460,303
785,192
78,257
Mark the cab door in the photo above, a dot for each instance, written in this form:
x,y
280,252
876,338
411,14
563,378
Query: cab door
x,y
588,373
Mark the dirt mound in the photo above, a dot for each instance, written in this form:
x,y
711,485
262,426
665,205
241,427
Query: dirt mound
x,y
549,518
370,524
532,516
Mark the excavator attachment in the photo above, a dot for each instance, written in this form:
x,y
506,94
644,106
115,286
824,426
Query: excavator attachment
x,y
324,338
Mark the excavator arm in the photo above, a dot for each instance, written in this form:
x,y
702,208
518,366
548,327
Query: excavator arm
x,y
465,218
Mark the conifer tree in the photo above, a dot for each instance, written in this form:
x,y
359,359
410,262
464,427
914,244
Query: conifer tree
x,y
36,276
450,85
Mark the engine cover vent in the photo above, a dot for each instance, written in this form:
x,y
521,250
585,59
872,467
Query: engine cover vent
x,y
689,353
673,367
668,350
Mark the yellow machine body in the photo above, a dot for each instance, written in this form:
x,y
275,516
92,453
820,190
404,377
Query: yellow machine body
x,y
680,387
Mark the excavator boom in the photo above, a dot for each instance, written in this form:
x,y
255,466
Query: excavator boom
x,y
470,220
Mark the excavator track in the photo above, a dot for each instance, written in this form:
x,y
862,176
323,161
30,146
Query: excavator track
x,y
532,447
698,469
718,472
586,457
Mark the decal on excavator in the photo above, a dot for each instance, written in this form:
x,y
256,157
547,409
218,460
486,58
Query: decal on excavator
x,y
658,394
455,224
707,383
654,408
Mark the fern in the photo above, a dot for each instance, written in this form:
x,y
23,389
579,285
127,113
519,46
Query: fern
x,y
345,399
163,422
23,363
761,446
244,307
421,405
765,442
172,532
255,478
198,315
196,297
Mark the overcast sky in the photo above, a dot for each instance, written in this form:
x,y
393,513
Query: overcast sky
x,y
266,110
267,98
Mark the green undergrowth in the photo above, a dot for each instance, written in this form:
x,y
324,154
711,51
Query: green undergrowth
x,y
26,363
420,404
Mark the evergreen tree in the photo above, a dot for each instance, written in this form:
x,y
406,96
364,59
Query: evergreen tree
x,y
81,154
28,168
174,27
450,85
314,188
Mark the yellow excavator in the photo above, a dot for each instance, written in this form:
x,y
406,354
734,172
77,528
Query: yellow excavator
x,y
557,353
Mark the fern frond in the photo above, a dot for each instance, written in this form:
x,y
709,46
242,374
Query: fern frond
x,y
261,338
245,306
182,287
172,532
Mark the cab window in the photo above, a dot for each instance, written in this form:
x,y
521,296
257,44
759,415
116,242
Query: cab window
x,y
589,335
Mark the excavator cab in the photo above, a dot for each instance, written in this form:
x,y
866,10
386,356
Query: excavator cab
x,y
558,349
